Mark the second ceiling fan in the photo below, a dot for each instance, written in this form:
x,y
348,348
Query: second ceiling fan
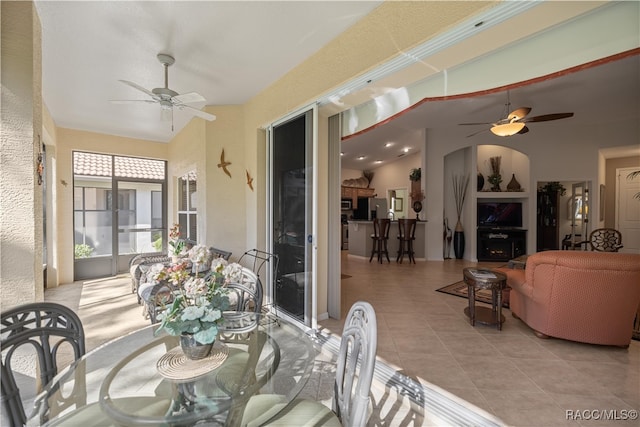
x,y
514,122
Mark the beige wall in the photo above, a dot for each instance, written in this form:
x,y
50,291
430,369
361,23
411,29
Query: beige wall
x,y
21,225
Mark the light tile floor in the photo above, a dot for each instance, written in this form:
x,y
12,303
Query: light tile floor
x,y
424,335
521,379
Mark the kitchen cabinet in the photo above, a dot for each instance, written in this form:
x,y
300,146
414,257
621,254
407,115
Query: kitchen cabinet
x,y
354,192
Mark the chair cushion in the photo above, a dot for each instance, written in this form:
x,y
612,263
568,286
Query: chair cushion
x,y
93,416
300,412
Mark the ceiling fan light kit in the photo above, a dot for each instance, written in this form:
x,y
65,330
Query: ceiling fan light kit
x,y
515,122
507,129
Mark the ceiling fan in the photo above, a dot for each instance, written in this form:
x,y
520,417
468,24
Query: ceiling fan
x,y
514,122
167,98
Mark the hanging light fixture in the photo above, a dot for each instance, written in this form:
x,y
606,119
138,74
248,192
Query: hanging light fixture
x,y
507,129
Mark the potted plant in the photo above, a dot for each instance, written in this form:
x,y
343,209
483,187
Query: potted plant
x,y
196,311
415,175
176,244
552,187
495,178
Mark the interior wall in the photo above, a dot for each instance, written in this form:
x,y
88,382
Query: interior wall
x,y
611,185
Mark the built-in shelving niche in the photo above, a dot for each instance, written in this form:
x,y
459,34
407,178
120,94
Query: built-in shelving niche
x,y
476,159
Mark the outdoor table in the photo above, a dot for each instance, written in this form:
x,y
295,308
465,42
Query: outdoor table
x,y
254,354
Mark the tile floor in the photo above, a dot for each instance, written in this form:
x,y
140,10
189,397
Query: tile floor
x,y
521,379
424,335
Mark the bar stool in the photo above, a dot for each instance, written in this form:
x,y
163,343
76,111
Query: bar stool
x,y
406,236
380,238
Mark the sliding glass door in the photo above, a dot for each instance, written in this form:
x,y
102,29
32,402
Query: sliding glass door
x,y
292,216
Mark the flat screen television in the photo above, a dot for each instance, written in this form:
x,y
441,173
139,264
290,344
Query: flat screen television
x,y
493,214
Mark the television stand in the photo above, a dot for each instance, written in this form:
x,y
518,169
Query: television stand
x,y
501,244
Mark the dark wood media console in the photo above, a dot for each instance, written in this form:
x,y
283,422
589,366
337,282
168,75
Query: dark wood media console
x,y
501,244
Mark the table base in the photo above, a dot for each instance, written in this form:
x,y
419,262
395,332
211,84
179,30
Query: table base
x,y
485,315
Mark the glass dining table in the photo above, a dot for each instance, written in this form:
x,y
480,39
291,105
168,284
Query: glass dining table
x,y
143,379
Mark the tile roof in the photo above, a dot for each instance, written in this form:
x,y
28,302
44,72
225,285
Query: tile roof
x,y
125,167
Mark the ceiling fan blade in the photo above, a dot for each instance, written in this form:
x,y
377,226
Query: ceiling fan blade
x,y
188,98
519,114
548,117
475,133
131,101
473,124
140,88
197,112
524,130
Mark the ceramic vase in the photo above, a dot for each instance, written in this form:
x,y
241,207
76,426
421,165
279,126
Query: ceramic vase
x,y
193,349
458,241
513,185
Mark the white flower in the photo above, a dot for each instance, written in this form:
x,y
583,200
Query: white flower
x,y
199,254
232,273
218,264
195,287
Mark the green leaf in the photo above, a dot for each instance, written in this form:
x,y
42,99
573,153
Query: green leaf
x,y
207,336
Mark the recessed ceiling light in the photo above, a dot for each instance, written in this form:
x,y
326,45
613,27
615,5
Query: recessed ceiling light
x,y
406,149
342,153
378,162
388,144
361,157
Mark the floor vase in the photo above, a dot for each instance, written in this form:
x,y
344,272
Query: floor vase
x,y
458,241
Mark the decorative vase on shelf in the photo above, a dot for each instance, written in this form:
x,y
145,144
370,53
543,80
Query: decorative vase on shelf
x,y
458,240
175,259
514,185
193,349
480,181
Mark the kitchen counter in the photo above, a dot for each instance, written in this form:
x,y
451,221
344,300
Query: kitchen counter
x,y
360,242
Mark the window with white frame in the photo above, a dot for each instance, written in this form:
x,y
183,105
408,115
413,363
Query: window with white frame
x,y
188,206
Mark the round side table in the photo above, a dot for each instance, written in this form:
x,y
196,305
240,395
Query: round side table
x,y
477,279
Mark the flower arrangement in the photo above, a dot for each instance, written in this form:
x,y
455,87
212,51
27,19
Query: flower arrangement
x,y
199,302
176,245
495,178
198,254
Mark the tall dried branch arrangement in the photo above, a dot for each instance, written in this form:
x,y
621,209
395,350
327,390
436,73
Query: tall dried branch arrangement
x,y
460,184
495,164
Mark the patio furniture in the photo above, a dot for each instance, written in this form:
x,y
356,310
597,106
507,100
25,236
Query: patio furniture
x,y
48,330
589,297
380,238
246,293
605,240
170,390
136,268
352,384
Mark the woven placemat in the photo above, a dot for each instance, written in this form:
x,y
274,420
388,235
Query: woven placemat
x,y
174,365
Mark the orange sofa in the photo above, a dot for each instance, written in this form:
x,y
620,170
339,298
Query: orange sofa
x,y
590,297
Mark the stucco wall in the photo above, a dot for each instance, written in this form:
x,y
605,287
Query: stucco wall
x,y
21,225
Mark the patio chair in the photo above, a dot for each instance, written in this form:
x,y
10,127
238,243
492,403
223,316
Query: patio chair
x,y
50,329
352,385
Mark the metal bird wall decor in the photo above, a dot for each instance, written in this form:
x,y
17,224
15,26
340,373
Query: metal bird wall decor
x,y
249,180
223,164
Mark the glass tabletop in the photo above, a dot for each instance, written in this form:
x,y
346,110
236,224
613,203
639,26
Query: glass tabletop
x,y
122,380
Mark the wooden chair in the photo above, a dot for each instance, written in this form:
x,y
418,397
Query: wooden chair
x,y
352,385
47,328
380,238
605,240
406,236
